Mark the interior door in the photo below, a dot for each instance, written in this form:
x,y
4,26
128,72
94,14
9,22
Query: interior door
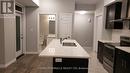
x,y
19,35
65,25
98,31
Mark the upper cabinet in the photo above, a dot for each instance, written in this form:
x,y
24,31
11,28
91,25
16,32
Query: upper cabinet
x,y
113,14
125,14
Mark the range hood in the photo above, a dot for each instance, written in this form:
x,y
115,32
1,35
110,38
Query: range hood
x,y
120,20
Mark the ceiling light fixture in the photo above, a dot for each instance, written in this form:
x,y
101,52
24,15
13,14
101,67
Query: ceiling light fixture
x,y
82,12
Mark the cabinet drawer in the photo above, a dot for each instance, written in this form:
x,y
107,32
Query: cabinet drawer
x,y
70,65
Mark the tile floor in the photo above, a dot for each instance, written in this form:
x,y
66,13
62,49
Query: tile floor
x,y
94,65
35,64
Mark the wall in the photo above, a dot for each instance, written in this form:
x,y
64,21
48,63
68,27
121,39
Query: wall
x,y
83,29
7,39
1,40
101,10
121,32
46,6
10,38
85,7
106,34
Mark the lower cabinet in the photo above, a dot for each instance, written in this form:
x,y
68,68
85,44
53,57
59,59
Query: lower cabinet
x,y
122,62
70,65
100,51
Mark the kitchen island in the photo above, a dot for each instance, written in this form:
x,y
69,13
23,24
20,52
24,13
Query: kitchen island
x,y
67,59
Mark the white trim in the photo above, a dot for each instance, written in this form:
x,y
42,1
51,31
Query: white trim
x,y
23,13
7,64
24,29
95,38
31,53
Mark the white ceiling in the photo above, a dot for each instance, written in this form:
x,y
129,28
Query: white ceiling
x,y
31,3
86,1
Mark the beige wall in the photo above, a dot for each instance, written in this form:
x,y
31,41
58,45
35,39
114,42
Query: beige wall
x,y
83,29
46,6
7,39
2,41
10,38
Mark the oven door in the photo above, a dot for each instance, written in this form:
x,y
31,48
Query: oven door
x,y
108,57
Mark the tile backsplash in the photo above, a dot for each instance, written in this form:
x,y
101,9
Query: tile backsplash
x,y
122,32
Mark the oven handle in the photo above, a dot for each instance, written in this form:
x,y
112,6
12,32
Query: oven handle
x,y
109,46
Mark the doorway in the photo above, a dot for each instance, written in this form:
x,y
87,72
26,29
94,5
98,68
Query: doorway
x,y
19,35
98,31
47,29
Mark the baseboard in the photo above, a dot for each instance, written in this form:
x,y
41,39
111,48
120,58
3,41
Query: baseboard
x,y
31,53
7,64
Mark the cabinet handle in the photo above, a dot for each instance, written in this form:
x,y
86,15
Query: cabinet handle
x,y
125,63
122,62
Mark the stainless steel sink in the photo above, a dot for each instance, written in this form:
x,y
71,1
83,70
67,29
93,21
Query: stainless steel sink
x,y
69,44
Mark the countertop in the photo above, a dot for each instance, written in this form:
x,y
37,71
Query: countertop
x,y
126,49
109,41
55,49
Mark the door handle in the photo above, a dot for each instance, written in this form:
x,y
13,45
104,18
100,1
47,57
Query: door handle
x,y
21,37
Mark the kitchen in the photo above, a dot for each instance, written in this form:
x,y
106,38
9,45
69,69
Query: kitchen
x,y
101,29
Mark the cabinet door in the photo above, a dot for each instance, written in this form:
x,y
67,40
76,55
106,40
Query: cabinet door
x,y
126,62
122,63
124,8
100,51
119,62
110,16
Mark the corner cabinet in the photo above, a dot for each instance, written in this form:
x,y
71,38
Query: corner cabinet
x,y
113,13
122,62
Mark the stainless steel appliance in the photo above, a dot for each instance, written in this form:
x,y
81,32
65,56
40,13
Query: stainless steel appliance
x,y
108,57
109,52
125,41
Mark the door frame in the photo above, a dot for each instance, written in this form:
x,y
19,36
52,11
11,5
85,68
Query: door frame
x,y
23,23
38,27
21,34
95,41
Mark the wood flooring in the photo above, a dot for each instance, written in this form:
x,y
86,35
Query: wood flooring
x,y
30,64
36,64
